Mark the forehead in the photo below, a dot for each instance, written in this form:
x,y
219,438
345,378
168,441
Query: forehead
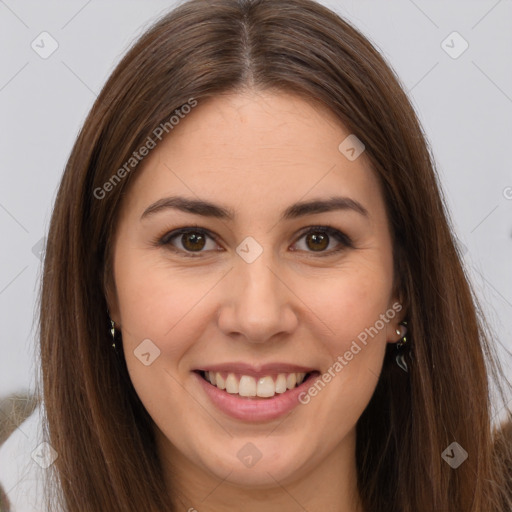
x,y
255,150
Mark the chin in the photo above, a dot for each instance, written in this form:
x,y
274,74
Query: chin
x,y
258,463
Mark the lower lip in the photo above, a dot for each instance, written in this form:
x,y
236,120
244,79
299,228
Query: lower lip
x,y
255,409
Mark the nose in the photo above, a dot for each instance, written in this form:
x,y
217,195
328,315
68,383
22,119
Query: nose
x,y
257,303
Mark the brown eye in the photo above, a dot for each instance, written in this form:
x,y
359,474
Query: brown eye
x,y
193,241
319,238
317,241
188,241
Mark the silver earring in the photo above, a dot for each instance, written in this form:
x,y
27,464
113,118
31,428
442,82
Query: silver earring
x,y
115,335
401,348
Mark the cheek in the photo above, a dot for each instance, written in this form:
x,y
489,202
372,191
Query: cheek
x,y
353,312
158,312
156,300
350,303
356,309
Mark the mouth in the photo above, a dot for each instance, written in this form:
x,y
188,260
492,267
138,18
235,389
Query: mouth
x,y
255,394
257,387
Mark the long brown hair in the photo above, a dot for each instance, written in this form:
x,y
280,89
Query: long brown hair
x,y
95,420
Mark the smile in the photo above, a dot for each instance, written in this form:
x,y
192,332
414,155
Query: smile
x,y
249,386
254,395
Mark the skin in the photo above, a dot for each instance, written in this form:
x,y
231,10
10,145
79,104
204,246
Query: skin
x,y
255,153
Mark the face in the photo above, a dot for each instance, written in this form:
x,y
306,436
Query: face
x,y
256,287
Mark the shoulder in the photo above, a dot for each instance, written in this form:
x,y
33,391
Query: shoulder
x,y
21,470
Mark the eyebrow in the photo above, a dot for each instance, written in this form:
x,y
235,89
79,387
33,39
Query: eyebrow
x,y
208,209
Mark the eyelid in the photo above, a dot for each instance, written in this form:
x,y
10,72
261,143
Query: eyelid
x,y
164,240
340,236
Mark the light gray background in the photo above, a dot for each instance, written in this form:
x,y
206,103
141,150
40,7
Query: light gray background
x,y
465,105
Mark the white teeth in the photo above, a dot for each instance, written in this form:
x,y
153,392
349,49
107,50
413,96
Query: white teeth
x,y
266,386
231,384
248,386
291,380
221,383
281,383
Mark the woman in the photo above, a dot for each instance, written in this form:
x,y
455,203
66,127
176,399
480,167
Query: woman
x,y
252,213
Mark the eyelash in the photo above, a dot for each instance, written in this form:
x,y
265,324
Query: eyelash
x,y
165,240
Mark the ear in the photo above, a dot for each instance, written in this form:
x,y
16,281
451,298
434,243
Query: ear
x,y
397,313
109,289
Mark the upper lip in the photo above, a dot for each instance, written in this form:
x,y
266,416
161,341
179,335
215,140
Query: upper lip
x,y
256,371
